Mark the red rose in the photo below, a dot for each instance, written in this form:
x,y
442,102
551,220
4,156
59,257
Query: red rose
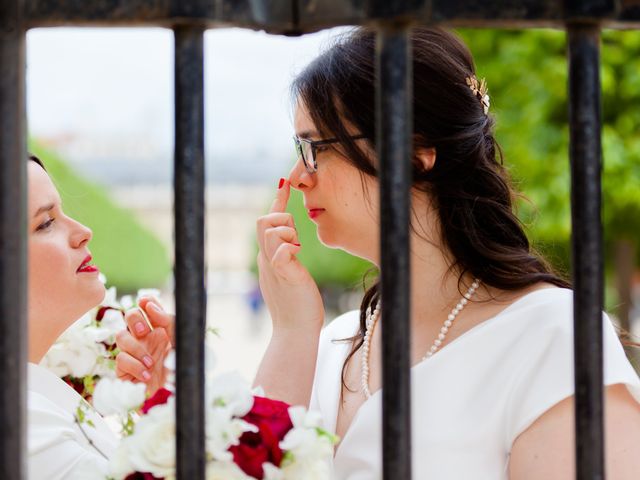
x,y
159,398
141,476
273,422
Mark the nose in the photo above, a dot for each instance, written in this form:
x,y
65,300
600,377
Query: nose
x,y
80,234
299,178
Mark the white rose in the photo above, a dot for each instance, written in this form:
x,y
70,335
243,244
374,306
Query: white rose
x,y
113,395
119,464
319,470
152,446
303,418
310,453
222,431
271,472
76,351
97,334
225,471
110,298
113,321
127,302
232,391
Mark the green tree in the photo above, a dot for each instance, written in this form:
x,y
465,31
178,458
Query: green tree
x,y
526,72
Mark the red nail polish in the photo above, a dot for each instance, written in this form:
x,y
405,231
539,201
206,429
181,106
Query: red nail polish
x,y
297,244
281,183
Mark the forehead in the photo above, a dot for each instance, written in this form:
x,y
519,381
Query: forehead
x,y
302,120
41,189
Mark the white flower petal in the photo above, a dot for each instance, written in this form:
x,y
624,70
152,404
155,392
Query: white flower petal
x,y
115,396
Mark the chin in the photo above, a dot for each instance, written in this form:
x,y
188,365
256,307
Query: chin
x,y
99,293
328,241
92,297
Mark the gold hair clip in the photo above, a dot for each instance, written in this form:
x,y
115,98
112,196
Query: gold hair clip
x,y
480,91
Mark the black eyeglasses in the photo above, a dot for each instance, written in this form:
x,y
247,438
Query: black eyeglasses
x,y
306,149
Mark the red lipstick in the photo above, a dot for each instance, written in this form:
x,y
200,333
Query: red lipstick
x,y
314,212
86,267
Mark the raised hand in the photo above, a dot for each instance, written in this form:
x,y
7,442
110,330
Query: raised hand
x,y
289,291
142,350
294,301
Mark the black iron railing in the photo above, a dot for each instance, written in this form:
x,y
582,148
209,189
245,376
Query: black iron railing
x,y
189,18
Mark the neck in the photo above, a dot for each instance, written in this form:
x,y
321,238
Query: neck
x,y
434,288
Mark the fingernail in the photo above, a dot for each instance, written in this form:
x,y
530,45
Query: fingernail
x,y
297,244
148,361
146,376
139,327
154,307
281,183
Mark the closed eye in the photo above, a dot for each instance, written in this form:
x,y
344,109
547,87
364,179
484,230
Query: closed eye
x,y
47,224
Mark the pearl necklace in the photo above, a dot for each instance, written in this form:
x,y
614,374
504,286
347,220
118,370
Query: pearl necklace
x,y
372,318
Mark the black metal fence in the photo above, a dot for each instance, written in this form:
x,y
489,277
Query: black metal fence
x,y
583,20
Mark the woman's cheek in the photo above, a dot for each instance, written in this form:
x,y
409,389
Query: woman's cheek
x,y
46,267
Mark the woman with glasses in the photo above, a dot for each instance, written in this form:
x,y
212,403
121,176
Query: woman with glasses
x,y
491,323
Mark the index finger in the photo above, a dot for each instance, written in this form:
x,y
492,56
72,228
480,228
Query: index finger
x,y
282,197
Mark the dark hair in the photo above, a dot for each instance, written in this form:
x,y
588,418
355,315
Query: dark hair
x,y
33,158
468,184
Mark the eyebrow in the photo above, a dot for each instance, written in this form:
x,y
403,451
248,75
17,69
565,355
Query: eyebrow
x,y
308,134
45,208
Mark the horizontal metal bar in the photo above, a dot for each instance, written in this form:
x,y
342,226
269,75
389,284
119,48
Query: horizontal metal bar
x,y
303,16
189,252
394,122
587,249
13,245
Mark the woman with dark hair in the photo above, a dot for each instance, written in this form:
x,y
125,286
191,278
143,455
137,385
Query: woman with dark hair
x,y
491,323
63,285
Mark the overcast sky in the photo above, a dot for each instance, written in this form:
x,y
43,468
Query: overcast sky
x,y
116,86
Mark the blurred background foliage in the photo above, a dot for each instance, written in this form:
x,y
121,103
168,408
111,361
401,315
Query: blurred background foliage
x,y
129,255
526,72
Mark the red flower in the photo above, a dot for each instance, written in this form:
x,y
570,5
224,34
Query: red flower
x,y
273,422
159,398
141,476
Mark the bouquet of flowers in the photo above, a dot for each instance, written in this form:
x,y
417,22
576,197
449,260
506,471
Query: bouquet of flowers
x,y
86,351
248,436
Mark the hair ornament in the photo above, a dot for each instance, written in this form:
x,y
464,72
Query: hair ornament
x,y
479,89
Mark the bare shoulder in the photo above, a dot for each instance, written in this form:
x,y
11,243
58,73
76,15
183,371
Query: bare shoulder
x,y
546,448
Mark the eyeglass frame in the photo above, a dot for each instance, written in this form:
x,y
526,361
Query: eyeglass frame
x,y
314,144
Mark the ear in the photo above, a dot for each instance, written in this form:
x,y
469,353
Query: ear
x,y
426,157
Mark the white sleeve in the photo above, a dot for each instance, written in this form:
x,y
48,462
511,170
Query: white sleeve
x,y
55,451
329,363
546,374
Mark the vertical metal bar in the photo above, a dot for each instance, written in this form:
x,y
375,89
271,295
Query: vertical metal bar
x,y
189,252
587,252
13,243
394,126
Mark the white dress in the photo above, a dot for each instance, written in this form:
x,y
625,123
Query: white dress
x,y
57,447
472,398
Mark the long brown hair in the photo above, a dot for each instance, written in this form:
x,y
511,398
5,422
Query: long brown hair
x,y
468,185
